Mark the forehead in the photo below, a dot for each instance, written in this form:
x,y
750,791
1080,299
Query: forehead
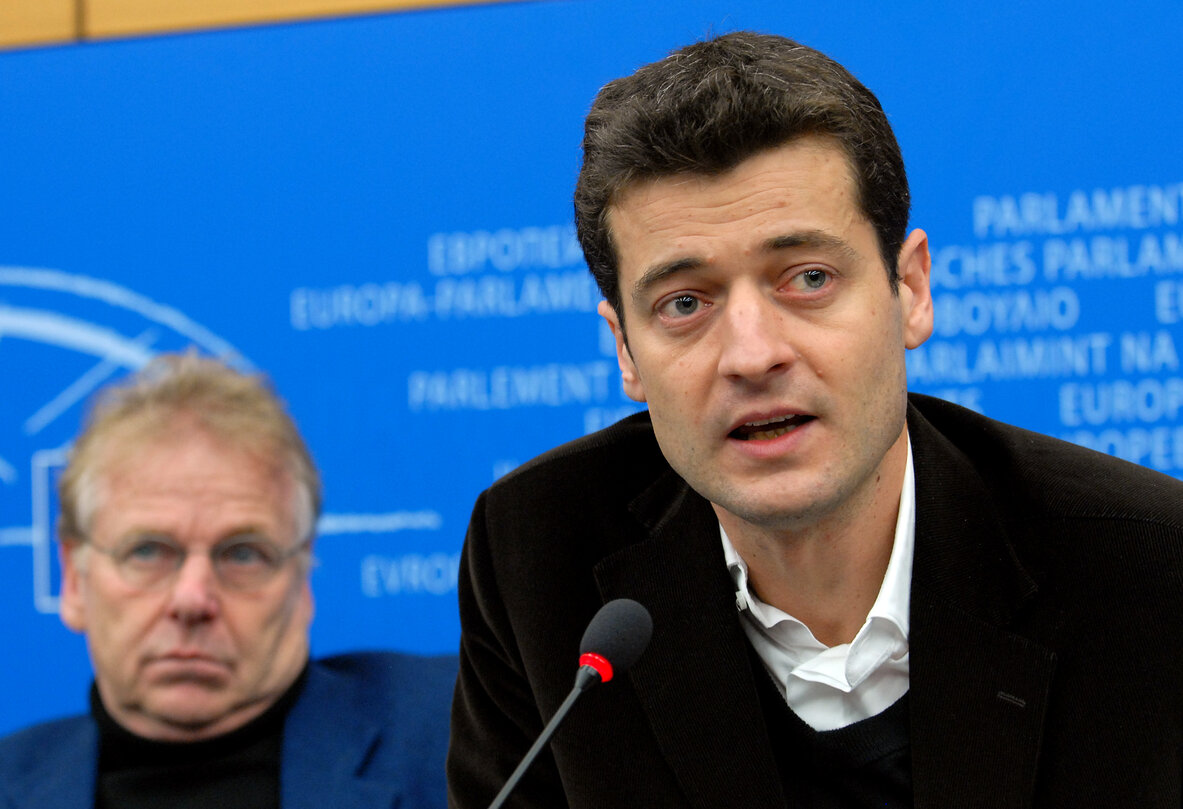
x,y
806,185
189,476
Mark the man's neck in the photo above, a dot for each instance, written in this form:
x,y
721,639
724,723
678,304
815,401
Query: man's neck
x,y
827,572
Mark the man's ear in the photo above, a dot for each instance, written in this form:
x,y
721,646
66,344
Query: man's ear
x,y
915,294
628,371
71,605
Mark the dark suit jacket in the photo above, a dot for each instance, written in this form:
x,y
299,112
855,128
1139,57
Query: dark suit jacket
x,y
368,730
1046,627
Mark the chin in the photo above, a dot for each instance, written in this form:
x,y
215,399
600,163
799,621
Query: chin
x,y
189,708
190,716
777,513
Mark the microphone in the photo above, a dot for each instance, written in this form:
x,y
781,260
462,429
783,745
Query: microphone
x,y
611,644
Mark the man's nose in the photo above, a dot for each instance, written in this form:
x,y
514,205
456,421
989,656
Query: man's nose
x,y
755,336
194,596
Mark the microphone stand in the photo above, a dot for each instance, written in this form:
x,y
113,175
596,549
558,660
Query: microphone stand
x,y
584,679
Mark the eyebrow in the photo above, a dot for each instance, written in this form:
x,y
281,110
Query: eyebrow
x,y
235,534
806,238
659,272
813,238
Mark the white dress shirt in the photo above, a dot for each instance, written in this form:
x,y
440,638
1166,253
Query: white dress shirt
x,y
832,687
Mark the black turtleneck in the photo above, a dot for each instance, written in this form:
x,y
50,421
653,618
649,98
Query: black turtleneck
x,y
236,769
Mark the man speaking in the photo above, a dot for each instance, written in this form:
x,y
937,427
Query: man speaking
x,y
188,508
860,597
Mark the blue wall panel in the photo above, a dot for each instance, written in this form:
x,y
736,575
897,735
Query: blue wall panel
x,y
376,211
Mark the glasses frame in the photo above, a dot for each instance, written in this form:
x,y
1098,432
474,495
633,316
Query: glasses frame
x,y
283,556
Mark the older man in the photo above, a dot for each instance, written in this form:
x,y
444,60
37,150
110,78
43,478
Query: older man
x,y
860,598
187,516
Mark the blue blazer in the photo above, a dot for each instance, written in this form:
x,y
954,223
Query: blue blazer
x,y
369,730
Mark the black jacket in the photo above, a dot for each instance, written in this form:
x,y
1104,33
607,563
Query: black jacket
x,y
1046,630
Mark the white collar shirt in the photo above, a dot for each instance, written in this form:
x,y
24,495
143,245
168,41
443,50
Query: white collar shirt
x,y
832,687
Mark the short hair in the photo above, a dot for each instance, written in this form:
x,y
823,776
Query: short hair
x,y
237,408
709,106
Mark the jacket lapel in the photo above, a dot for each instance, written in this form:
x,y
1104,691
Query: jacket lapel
x,y
63,772
978,691
326,743
695,680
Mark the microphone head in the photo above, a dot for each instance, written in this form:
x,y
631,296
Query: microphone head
x,y
619,633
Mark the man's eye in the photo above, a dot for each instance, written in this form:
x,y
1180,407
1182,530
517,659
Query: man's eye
x,y
811,279
681,306
246,554
149,552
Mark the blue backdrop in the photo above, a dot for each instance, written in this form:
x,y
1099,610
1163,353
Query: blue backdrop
x,y
376,211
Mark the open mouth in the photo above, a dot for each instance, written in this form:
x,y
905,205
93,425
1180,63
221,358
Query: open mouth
x,y
767,429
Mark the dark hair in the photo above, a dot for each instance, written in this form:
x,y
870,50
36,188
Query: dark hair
x,y
707,107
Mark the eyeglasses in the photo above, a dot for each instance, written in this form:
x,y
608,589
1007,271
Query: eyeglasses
x,y
247,562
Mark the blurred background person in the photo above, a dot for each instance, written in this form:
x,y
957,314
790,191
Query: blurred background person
x,y
188,512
